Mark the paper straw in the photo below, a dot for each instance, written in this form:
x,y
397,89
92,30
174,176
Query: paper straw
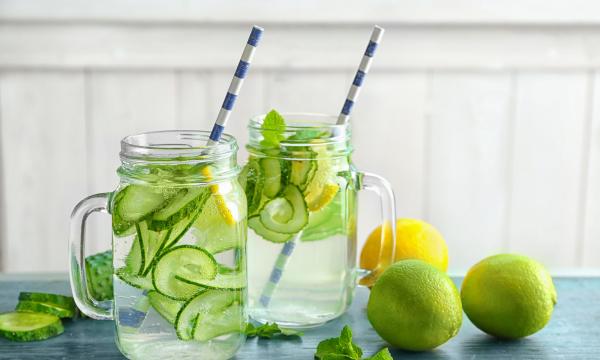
x,y
236,84
288,248
361,73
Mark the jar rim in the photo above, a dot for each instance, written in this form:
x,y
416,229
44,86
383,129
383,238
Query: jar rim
x,y
164,145
326,122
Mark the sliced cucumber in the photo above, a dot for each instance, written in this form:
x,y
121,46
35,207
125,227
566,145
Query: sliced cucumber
x,y
185,261
41,307
63,301
271,170
99,270
138,281
134,261
137,201
153,242
120,227
212,232
271,215
186,202
251,181
27,326
302,172
196,309
227,281
255,224
166,307
213,324
325,223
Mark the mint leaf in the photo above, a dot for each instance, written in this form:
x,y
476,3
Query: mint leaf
x,y
268,331
339,348
383,354
273,127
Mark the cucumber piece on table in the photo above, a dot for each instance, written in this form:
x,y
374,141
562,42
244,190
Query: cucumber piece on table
x,y
276,217
196,309
28,326
215,324
41,307
63,301
255,224
99,270
166,307
184,261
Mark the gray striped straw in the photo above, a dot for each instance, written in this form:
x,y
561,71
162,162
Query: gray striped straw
x,y
236,84
363,70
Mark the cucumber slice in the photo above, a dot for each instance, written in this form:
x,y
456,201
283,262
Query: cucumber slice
x,y
134,261
195,310
99,270
213,234
187,201
120,227
137,281
271,169
325,223
252,182
227,281
66,302
137,201
27,326
271,217
152,243
255,224
302,172
166,307
40,307
185,261
215,324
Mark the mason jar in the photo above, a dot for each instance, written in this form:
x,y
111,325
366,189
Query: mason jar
x,y
178,250
301,189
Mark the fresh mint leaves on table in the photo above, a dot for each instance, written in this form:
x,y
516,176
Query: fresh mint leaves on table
x,y
273,127
342,348
268,330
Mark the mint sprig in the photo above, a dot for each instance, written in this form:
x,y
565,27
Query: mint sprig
x,y
273,127
269,330
343,348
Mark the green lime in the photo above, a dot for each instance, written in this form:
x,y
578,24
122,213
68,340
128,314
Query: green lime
x,y
508,296
414,306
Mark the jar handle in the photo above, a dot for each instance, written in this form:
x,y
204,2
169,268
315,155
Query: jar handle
x,y
78,276
383,189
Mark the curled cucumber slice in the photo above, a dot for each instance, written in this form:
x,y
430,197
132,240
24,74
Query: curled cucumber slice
x,y
286,215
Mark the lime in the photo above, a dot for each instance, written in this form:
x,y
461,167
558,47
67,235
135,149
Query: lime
x,y
508,296
414,306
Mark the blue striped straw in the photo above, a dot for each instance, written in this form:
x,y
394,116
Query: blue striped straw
x,y
361,73
288,248
236,84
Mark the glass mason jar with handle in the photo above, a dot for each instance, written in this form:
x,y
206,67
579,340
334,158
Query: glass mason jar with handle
x,y
179,248
301,189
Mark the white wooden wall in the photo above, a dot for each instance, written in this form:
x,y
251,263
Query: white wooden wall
x,y
485,120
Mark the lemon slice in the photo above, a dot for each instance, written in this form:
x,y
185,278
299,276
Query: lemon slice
x,y
219,199
324,198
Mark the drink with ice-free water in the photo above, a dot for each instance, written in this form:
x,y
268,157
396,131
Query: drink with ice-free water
x,y
301,189
179,226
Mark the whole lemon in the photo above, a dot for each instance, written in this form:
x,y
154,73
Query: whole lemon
x,y
414,306
508,296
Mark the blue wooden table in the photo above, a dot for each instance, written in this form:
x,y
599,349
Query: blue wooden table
x,y
573,332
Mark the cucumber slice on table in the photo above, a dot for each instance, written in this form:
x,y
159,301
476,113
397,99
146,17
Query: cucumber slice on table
x,y
255,224
184,261
215,324
42,307
166,307
196,309
63,301
27,326
274,215
99,270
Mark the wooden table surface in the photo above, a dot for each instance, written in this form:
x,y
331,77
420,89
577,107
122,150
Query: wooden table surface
x,y
573,332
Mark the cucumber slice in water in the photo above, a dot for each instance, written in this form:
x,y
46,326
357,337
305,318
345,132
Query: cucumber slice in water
x,y
27,326
213,234
195,310
255,224
274,212
137,202
137,281
213,324
166,307
227,281
188,201
271,170
251,181
185,261
302,172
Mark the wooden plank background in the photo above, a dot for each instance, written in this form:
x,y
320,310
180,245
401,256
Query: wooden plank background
x,y
491,132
